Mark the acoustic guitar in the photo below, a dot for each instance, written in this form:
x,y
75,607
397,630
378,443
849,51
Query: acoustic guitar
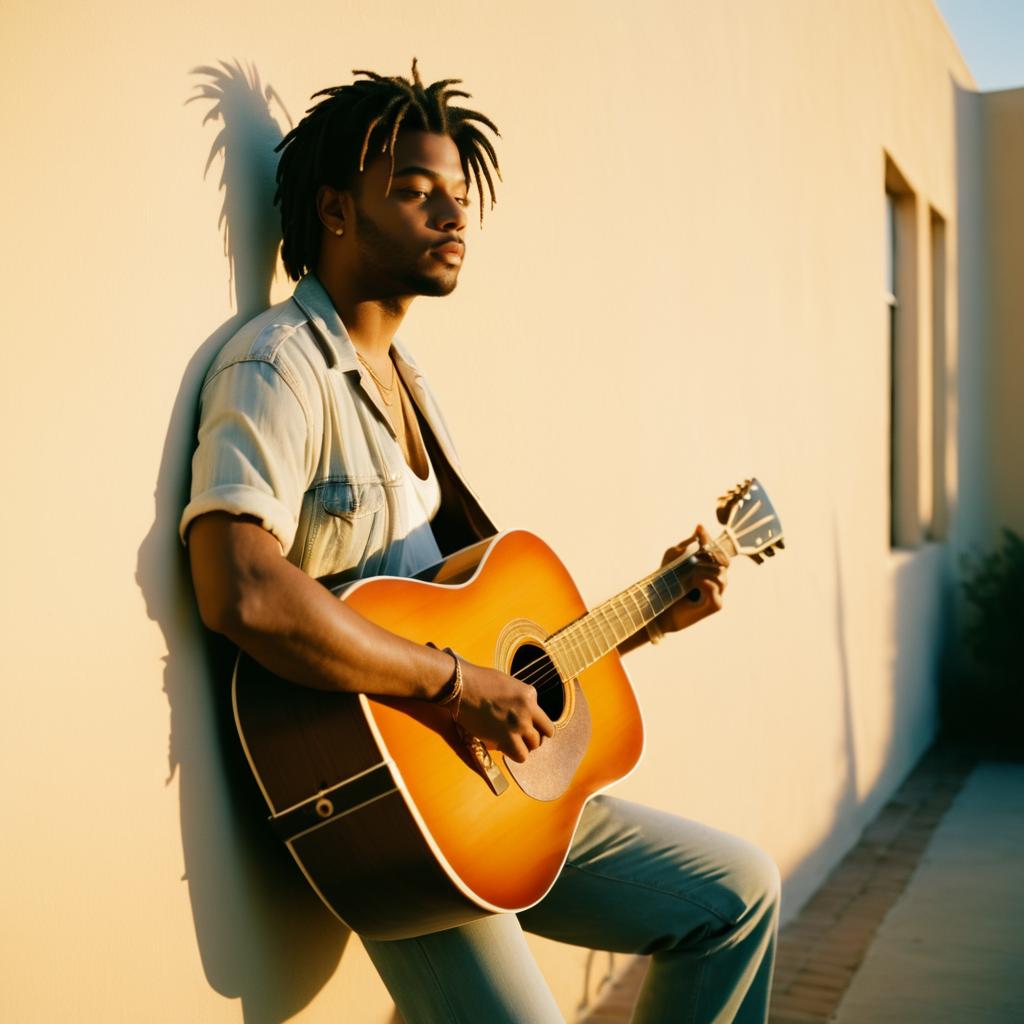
x,y
404,824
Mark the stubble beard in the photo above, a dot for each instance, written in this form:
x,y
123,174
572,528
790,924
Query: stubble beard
x,y
389,269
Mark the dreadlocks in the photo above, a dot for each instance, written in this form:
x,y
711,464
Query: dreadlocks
x,y
329,146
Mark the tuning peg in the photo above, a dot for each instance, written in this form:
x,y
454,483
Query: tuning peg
x,y
770,552
732,493
727,502
723,509
758,558
781,543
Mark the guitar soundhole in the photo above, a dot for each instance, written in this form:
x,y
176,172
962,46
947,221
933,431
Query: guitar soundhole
x,y
531,664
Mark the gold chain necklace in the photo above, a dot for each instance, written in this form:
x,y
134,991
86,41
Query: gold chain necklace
x,y
385,389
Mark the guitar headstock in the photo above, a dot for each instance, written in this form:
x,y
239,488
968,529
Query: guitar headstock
x,y
751,523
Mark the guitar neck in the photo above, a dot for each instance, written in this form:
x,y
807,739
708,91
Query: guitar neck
x,y
590,637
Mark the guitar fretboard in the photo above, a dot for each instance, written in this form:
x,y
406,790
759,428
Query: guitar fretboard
x,y
603,628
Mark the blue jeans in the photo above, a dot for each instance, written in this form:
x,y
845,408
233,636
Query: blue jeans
x,y
703,903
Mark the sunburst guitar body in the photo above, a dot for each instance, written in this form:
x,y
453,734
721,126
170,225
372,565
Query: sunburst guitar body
x,y
404,824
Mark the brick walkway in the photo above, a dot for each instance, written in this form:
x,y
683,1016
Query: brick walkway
x,y
821,949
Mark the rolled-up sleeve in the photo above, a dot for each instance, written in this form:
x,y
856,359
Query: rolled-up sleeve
x,y
253,456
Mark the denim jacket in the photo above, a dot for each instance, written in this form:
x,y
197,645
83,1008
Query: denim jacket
x,y
293,432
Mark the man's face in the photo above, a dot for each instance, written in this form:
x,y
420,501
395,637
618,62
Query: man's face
x,y
411,241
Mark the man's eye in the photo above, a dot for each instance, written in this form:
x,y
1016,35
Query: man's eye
x,y
463,200
414,193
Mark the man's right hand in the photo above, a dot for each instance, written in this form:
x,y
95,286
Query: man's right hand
x,y
502,711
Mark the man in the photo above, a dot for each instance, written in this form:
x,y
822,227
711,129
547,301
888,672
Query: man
x,y
322,451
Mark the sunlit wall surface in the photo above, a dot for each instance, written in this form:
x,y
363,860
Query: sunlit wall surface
x,y
1004,159
685,283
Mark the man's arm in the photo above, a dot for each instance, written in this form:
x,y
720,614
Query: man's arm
x,y
294,626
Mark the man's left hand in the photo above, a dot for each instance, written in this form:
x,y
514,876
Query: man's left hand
x,y
709,578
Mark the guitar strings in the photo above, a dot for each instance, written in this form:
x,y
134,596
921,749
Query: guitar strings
x,y
542,674
545,675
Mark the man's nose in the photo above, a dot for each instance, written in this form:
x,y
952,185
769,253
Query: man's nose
x,y
450,215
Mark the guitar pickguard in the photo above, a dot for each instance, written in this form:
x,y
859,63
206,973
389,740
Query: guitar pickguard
x,y
548,770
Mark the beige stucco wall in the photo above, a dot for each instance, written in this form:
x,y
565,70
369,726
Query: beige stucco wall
x,y
681,286
1003,121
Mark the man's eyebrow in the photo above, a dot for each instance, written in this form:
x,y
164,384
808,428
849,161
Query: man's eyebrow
x,y
426,172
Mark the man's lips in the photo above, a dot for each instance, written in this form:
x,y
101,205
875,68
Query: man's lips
x,y
449,252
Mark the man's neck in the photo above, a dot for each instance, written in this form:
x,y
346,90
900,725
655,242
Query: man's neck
x,y
371,323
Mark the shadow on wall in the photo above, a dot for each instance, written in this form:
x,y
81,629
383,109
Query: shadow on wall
x,y
263,935
803,878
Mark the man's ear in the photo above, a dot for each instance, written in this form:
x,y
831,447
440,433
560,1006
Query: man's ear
x,y
330,207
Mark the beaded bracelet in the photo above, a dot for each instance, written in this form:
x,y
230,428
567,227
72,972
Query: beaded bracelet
x,y
451,694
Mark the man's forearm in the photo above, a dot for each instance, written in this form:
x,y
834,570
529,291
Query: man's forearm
x,y
303,633
299,630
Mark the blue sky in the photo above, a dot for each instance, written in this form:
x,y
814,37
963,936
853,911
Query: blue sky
x,y
990,34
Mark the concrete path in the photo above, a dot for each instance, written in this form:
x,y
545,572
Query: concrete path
x,y
951,950
921,921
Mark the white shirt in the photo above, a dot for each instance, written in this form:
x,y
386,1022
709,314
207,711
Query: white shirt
x,y
419,547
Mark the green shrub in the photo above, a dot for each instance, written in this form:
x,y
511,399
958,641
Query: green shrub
x,y
985,701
